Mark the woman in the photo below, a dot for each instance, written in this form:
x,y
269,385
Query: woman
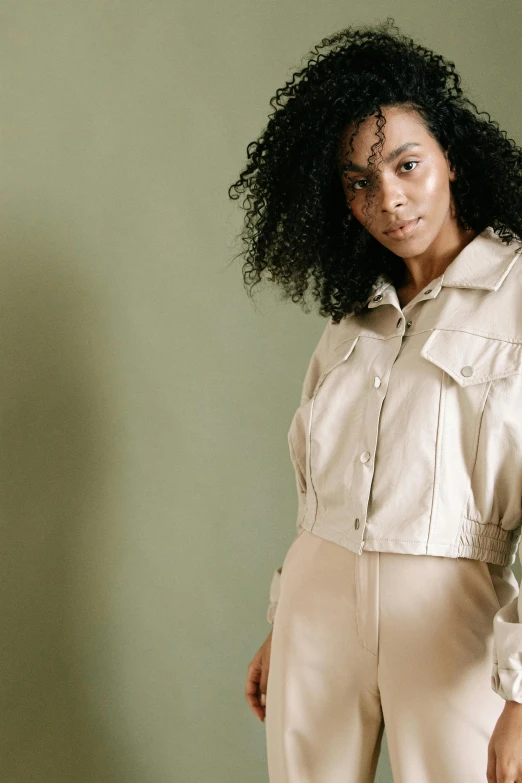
x,y
377,180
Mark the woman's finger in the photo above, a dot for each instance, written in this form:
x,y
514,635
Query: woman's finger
x,y
252,692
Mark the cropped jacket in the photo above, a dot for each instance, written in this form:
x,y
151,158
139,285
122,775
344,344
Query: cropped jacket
x,y
408,434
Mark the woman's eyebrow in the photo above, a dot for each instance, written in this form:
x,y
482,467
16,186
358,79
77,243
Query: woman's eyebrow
x,y
391,157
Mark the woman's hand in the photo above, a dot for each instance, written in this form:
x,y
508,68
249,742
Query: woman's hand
x,y
257,678
505,746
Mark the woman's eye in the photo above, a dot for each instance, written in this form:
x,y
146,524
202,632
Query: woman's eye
x,y
363,182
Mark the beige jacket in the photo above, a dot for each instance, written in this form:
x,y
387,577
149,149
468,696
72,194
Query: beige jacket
x,y
408,436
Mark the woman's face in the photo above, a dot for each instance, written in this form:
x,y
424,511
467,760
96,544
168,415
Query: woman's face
x,y
412,182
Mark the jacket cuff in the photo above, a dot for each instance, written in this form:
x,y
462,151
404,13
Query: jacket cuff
x,y
507,683
274,595
271,611
506,672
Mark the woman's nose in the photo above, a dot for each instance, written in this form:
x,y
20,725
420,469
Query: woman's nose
x,y
391,195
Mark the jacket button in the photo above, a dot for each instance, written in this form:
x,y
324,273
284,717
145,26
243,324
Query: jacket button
x,y
365,456
409,323
467,371
377,298
357,523
376,381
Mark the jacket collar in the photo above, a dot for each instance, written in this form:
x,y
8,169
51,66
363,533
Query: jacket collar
x,y
484,263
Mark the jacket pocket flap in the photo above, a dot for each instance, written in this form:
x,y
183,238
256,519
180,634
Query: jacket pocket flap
x,y
339,354
472,358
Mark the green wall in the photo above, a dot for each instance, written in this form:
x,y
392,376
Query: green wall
x,y
146,491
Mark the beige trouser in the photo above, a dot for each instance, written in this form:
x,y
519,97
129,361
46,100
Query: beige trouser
x,y
363,640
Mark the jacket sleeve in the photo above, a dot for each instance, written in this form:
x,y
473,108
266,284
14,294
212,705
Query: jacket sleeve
x,y
297,447
506,673
275,584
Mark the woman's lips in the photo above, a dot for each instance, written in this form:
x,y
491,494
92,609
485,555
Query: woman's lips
x,y
405,231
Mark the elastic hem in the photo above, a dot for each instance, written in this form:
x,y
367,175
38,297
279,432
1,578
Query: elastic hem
x,y
488,542
476,541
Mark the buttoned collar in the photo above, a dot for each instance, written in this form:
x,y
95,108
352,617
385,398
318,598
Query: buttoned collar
x,y
484,263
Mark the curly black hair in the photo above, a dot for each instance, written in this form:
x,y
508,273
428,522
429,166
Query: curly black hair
x,y
298,227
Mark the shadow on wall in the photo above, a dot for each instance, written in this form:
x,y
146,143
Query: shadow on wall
x,y
57,453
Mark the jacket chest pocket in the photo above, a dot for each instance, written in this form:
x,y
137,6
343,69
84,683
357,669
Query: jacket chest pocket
x,y
471,359
475,368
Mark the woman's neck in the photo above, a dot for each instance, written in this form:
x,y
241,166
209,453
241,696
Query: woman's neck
x,y
422,269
